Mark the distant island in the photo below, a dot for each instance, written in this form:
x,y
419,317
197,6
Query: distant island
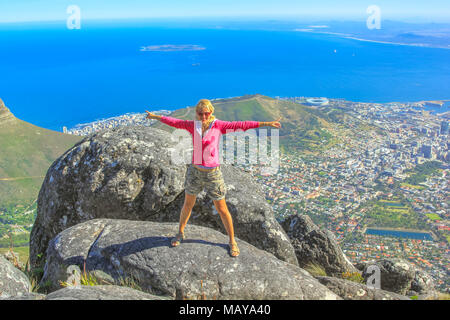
x,y
173,47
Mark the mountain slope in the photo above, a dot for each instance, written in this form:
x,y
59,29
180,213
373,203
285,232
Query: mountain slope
x,y
26,152
304,129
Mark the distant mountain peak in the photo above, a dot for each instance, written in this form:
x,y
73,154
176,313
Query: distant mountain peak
x,y
5,114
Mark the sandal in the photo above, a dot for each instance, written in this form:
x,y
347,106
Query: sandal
x,y
234,250
177,240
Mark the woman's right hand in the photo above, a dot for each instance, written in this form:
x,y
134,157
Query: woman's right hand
x,y
152,115
276,123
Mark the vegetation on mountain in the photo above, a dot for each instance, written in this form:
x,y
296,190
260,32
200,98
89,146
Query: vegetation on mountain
x,y
26,153
304,128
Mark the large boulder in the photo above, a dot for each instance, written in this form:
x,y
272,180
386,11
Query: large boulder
x,y
401,276
350,290
423,283
101,292
200,268
253,218
97,292
316,247
13,282
396,275
26,296
127,173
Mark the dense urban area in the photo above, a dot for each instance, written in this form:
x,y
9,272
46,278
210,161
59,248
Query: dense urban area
x,y
382,193
398,181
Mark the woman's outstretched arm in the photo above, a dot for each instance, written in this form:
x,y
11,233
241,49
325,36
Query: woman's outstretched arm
x,y
173,122
275,124
152,115
231,126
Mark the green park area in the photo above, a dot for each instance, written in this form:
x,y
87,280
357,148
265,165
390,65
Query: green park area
x,y
392,213
421,172
433,216
412,186
448,237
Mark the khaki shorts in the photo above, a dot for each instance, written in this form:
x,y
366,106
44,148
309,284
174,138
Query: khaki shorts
x,y
197,180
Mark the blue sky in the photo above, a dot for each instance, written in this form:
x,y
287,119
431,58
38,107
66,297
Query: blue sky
x,y
404,10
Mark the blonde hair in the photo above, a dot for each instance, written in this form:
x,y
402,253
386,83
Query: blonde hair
x,y
205,103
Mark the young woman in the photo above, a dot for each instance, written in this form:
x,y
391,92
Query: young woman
x,y
204,171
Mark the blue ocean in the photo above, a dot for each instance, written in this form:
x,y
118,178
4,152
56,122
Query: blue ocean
x,y
52,76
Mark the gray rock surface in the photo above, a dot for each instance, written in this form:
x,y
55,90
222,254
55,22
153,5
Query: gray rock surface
x,y
431,295
199,268
253,218
423,283
399,275
102,292
349,290
396,275
314,246
27,296
127,173
13,282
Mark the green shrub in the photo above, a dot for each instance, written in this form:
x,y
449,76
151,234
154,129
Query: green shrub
x,y
315,270
353,276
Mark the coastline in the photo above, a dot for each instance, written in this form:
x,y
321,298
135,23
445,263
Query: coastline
x,y
353,37
79,126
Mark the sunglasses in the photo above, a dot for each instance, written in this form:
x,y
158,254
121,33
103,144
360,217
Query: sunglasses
x,y
203,113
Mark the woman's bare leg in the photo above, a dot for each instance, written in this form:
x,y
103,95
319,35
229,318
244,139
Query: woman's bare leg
x,y
189,202
227,220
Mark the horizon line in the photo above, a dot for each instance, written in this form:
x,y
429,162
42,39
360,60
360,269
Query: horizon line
x,y
293,18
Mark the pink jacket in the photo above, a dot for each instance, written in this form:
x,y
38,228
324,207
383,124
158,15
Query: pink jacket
x,y
208,145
